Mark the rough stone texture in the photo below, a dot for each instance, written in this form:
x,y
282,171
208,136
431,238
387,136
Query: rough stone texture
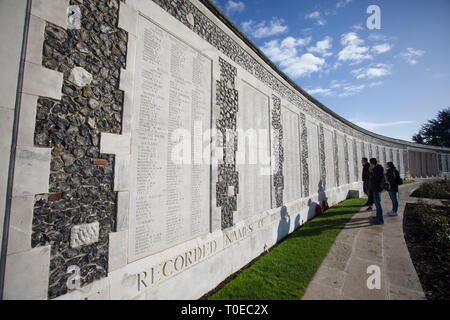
x,y
80,77
304,154
84,234
80,192
227,100
278,178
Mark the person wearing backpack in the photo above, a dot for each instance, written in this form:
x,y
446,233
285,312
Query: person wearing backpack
x,y
393,178
377,181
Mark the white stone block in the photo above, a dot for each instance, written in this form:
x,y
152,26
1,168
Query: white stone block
x,y
20,224
26,274
97,290
80,77
115,143
123,204
118,244
54,11
32,171
35,40
127,18
73,17
12,18
27,120
6,124
121,173
131,52
40,81
84,234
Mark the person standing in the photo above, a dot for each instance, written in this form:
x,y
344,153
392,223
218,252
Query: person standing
x,y
376,181
365,178
393,176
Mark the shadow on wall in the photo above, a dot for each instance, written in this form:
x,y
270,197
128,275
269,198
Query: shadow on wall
x,y
285,221
285,224
312,205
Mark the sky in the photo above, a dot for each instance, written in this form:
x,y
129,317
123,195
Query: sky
x,y
389,77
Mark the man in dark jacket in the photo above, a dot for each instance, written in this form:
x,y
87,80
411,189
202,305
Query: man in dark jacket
x,y
365,178
393,176
376,180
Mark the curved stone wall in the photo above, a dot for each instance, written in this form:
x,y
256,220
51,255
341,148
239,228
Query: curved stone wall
x,y
100,209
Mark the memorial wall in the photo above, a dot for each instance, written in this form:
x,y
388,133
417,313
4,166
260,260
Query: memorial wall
x,y
158,151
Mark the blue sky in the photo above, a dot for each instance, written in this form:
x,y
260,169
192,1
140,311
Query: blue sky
x,y
389,80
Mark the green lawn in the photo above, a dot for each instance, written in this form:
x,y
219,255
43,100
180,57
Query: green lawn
x,y
285,272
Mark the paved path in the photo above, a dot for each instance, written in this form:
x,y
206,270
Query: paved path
x,y
343,273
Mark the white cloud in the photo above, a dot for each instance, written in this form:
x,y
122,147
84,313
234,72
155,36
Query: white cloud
x,y
373,71
322,47
357,26
353,48
322,91
376,84
261,30
338,88
343,3
286,54
349,90
382,48
411,55
373,126
376,37
234,7
315,16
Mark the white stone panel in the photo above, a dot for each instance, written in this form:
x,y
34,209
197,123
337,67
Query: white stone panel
x,y
27,120
170,189
123,204
359,155
253,155
329,158
35,40
115,143
342,165
313,157
54,11
40,81
32,170
20,224
12,17
26,275
351,160
118,246
291,164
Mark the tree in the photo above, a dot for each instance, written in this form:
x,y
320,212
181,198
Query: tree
x,y
436,132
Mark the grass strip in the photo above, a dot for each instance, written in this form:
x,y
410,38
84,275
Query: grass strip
x,y
285,272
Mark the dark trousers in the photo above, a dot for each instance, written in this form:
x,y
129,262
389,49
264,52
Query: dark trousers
x,y
368,192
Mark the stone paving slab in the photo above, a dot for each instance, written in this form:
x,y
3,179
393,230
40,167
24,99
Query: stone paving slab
x,y
343,274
